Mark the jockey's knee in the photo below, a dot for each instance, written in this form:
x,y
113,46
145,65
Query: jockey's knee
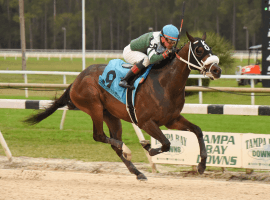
x,y
165,147
146,61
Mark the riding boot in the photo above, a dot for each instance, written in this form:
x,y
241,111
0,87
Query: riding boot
x,y
125,82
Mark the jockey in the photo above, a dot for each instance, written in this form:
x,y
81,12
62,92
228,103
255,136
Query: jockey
x,y
148,49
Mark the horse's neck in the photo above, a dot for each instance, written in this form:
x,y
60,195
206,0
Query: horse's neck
x,y
179,73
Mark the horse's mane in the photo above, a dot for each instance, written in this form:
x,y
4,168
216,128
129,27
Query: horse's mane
x,y
163,63
166,61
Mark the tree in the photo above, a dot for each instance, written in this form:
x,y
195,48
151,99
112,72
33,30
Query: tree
x,y
111,24
22,31
250,15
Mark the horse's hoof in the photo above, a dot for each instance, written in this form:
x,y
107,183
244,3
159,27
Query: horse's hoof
x,y
145,144
141,177
201,168
153,152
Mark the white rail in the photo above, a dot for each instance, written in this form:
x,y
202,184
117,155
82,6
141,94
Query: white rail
x,y
196,76
50,53
61,54
38,72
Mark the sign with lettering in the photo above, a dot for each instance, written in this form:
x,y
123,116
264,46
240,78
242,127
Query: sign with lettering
x,y
239,150
223,149
256,151
183,143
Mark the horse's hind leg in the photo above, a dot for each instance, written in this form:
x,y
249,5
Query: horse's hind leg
x,y
181,123
115,127
100,136
93,107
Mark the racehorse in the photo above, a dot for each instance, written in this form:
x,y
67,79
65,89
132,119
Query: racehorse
x,y
159,101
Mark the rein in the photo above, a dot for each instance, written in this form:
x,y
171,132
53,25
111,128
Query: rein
x,y
211,59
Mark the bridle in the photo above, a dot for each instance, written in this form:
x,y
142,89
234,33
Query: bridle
x,y
201,64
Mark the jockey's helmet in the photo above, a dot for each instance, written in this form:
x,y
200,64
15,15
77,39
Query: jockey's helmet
x,y
170,32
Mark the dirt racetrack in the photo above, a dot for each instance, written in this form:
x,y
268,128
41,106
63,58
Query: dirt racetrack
x,y
39,178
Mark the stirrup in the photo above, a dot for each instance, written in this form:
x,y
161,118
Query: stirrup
x,y
124,83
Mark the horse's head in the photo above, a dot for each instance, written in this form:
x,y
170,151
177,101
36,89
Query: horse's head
x,y
201,58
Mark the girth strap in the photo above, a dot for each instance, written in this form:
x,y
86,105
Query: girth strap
x,y
129,106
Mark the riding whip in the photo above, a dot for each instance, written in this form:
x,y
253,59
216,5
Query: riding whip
x,y
183,11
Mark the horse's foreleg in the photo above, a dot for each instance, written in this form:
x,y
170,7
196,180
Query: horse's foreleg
x,y
153,130
115,127
182,124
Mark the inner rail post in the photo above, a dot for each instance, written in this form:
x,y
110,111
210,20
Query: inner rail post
x,y
200,92
26,89
65,110
252,94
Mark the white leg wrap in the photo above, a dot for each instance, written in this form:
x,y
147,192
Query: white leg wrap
x,y
126,152
133,57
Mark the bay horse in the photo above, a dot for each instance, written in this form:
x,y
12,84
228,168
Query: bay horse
x,y
159,101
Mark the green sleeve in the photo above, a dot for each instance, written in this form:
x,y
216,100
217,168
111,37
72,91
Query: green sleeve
x,y
155,57
141,43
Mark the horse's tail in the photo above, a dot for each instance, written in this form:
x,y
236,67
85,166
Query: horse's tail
x,y
58,103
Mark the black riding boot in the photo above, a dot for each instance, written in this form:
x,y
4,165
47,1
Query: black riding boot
x,y
125,82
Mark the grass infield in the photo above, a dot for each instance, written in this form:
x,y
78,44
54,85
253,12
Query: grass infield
x,y
76,140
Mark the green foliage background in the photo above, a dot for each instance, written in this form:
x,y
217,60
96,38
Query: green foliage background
x,y
112,24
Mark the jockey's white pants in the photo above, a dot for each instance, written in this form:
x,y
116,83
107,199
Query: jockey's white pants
x,y
133,57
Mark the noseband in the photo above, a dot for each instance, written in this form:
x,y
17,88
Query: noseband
x,y
201,64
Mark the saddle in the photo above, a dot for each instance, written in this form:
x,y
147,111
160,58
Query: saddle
x,y
110,79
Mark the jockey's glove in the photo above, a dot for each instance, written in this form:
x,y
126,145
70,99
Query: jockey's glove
x,y
172,51
166,53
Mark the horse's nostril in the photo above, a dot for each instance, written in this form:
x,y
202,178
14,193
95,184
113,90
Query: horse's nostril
x,y
215,71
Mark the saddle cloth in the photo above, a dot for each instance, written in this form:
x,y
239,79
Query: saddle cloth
x,y
111,77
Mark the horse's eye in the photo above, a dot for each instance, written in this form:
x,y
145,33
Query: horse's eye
x,y
199,51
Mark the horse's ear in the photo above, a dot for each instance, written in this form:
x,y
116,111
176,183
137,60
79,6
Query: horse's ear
x,y
204,36
191,39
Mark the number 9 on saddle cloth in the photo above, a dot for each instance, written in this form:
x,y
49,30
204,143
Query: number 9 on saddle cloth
x,y
111,77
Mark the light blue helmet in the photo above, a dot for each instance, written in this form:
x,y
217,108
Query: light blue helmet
x,y
170,31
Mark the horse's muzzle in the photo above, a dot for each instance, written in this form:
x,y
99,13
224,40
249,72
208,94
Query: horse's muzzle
x,y
215,72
